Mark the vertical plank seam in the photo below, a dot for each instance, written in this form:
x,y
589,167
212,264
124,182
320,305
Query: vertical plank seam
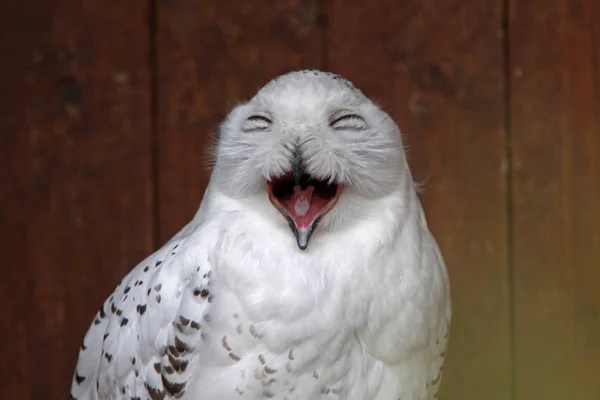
x,y
154,128
509,197
324,18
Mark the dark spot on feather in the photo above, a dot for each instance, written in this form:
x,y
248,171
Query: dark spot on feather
x,y
158,263
195,325
108,357
79,378
105,336
173,350
158,298
141,309
207,317
127,289
209,298
184,321
253,332
291,355
172,387
125,298
124,321
157,367
204,293
119,312
155,394
137,373
83,347
234,357
179,327
224,343
270,371
196,292
102,313
169,370
133,361
158,287
146,268
123,389
261,358
113,308
179,365
180,345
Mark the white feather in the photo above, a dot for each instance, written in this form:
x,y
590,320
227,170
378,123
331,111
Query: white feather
x,y
231,308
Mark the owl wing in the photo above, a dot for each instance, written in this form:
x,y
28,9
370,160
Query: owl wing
x,y
146,333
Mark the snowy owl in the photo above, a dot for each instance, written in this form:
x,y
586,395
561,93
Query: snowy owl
x,y
308,272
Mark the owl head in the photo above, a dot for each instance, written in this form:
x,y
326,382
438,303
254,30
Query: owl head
x,y
309,149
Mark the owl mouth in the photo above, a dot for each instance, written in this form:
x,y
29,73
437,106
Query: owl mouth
x,y
303,200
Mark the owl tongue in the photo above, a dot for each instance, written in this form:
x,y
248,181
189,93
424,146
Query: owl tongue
x,y
302,210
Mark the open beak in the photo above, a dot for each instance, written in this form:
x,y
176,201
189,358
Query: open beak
x,y
303,201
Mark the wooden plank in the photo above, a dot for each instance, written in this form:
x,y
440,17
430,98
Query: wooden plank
x,y
555,144
75,199
437,67
211,55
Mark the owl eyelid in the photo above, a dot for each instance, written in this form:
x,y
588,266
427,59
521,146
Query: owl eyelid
x,y
348,118
257,123
259,118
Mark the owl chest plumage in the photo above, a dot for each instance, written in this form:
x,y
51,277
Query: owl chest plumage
x,y
288,324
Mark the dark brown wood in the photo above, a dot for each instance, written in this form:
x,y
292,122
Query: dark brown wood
x,y
556,185
211,55
437,67
75,194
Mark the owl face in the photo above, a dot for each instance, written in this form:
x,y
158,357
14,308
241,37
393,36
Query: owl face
x,y
315,147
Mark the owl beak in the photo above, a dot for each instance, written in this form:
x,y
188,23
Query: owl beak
x,y
302,235
303,201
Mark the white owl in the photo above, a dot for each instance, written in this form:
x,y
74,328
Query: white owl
x,y
308,272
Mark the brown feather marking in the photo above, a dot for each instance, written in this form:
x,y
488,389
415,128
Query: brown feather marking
x,y
224,343
155,394
172,387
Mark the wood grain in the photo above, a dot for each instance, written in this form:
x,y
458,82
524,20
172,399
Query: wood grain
x,y
211,55
556,176
437,67
75,199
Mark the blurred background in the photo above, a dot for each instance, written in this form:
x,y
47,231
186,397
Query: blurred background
x,y
107,109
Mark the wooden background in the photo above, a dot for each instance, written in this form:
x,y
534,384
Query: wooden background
x,y
107,107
